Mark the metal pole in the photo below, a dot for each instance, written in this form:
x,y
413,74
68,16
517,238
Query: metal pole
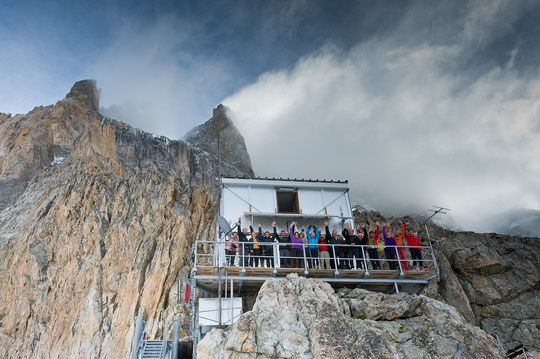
x,y
305,261
232,313
277,258
138,334
219,295
243,257
365,261
219,158
433,257
396,287
176,335
398,261
165,339
336,272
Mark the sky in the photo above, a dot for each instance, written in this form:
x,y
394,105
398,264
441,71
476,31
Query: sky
x,y
416,103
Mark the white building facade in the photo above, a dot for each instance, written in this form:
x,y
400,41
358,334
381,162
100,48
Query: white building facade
x,y
307,202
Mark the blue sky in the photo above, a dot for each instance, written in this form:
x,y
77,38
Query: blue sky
x,y
439,100
51,44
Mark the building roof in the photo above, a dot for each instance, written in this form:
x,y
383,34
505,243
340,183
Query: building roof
x,y
288,179
286,182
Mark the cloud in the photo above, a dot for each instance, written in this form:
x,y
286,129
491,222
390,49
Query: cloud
x,y
152,79
397,120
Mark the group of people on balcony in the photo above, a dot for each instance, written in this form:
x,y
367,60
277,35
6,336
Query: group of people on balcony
x,y
348,250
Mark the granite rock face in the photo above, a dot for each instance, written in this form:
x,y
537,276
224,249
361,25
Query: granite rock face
x,y
96,225
232,146
296,317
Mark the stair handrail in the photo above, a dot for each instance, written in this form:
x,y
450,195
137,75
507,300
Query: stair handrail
x,y
163,350
176,336
139,336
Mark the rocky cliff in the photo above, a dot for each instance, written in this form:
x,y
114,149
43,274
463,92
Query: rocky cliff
x,y
493,280
96,226
298,317
231,143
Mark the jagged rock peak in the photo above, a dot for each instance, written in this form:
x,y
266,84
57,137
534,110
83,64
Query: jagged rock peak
x,y
220,113
231,143
85,90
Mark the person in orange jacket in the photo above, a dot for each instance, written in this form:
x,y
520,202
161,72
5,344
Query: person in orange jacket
x,y
402,252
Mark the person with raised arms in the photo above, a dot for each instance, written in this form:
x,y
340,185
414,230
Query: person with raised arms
x,y
389,246
372,246
414,248
254,248
266,242
296,247
284,247
313,240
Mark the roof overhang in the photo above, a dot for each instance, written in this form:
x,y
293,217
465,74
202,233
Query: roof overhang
x,y
285,183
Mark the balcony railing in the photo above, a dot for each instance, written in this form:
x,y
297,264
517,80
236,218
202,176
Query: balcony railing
x,y
305,256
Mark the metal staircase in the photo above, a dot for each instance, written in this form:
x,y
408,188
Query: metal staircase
x,y
153,349
143,348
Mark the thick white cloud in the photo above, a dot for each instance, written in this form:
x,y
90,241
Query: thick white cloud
x,y
407,131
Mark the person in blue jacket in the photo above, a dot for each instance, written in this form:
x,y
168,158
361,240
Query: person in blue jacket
x,y
313,242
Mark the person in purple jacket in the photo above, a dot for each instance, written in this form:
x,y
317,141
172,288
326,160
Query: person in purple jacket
x,y
389,246
296,247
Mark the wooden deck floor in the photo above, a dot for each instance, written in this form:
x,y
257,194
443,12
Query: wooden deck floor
x,y
379,280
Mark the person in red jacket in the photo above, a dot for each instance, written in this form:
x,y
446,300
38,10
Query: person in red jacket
x,y
414,247
324,255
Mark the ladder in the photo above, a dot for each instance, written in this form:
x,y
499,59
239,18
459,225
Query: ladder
x,y
153,349
143,348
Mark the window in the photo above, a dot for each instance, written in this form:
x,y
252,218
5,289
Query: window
x,y
287,202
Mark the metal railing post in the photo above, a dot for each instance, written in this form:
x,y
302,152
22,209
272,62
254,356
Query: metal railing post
x,y
365,261
398,261
176,336
276,256
231,303
165,340
138,334
306,271
336,271
243,258
431,247
433,258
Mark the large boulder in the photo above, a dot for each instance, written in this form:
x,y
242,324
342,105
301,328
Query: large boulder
x,y
297,317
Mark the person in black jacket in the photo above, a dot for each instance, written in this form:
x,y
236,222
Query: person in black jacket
x,y
244,247
284,250
267,247
372,249
355,251
332,249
